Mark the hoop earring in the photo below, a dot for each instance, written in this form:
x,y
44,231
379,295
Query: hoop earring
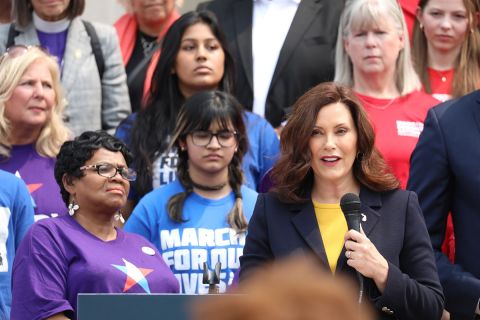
x,y
72,207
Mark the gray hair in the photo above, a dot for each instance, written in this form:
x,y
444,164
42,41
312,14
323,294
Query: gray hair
x,y
368,12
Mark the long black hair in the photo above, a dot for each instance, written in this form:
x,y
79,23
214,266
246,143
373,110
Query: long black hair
x,y
156,122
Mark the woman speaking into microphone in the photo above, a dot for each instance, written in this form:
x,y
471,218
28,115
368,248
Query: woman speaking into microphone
x,y
327,151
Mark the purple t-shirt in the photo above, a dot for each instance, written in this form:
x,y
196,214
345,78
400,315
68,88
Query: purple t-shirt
x,y
58,259
55,43
37,172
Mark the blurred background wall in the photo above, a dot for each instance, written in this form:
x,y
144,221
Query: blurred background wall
x,y
108,11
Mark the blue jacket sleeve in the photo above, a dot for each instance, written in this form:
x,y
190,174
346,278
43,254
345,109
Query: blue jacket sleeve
x,y
432,180
257,248
22,215
264,148
413,289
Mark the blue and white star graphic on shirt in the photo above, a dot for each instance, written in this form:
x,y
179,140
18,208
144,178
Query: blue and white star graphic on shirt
x,y
134,275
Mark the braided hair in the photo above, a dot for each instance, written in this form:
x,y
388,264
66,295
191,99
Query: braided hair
x,y
198,113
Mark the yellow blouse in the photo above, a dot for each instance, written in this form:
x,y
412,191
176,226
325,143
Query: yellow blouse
x,y
333,226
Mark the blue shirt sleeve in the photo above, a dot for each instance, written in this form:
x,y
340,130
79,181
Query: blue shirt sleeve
x,y
22,214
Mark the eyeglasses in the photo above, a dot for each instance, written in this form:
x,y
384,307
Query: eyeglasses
x,y
18,50
225,138
108,170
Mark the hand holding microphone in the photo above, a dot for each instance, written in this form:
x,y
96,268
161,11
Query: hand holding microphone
x,y
361,253
364,257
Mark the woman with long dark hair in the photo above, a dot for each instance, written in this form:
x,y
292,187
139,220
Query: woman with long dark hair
x,y
194,59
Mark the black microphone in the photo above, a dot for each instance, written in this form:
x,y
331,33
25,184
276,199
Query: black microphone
x,y
350,205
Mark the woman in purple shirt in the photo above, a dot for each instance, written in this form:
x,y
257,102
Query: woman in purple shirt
x,y
31,126
84,252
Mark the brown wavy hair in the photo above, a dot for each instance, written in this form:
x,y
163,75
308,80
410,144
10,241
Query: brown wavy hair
x,y
292,175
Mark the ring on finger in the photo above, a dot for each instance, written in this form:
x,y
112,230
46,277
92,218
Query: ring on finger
x,y
348,254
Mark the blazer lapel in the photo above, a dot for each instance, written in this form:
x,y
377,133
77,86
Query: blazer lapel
x,y
242,15
371,202
28,35
306,224
307,11
77,51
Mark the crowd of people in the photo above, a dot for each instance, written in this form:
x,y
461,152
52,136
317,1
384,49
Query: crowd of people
x,y
134,156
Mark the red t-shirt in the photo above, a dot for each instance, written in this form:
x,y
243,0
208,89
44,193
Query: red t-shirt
x,y
398,123
441,83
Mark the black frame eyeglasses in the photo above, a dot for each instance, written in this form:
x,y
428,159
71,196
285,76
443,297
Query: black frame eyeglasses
x,y
108,170
225,138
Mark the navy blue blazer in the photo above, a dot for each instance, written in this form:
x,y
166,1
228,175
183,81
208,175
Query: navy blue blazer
x,y
395,225
445,173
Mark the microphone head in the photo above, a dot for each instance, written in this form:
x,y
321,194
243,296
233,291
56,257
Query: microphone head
x,y
350,205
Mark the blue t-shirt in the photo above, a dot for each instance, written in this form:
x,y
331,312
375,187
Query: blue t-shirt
x,y
16,216
204,237
264,148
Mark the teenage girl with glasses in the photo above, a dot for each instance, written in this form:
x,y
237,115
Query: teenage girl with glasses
x,y
203,215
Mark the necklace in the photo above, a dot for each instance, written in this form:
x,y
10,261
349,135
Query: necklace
x,y
147,46
209,188
375,105
442,74
386,105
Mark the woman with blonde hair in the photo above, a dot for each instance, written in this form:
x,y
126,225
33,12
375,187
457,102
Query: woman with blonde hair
x,y
88,54
373,57
446,47
31,126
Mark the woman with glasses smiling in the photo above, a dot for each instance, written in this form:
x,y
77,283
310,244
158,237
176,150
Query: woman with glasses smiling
x,y
84,252
202,216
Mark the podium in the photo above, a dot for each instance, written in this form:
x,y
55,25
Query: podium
x,y
135,306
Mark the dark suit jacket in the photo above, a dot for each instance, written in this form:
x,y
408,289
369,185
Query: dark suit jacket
x,y
394,223
445,173
306,58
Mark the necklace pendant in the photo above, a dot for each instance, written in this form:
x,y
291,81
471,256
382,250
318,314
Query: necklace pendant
x,y
444,79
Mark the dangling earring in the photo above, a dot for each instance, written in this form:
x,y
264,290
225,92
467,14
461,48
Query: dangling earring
x,y
421,26
72,207
119,216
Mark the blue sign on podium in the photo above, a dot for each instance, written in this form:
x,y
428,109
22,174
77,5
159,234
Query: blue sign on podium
x,y
135,306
